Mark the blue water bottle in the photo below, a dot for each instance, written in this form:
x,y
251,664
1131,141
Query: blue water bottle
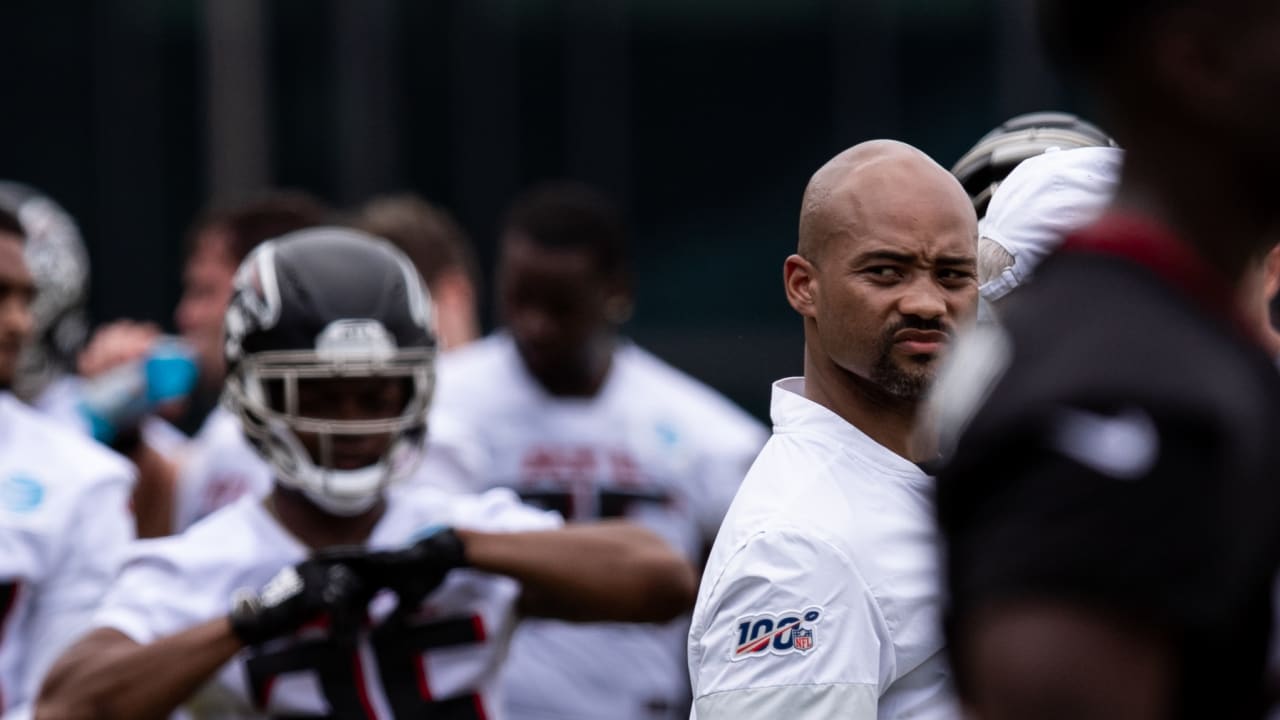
x,y
118,399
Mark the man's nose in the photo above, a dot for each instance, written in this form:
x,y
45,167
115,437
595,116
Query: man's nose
x,y
923,298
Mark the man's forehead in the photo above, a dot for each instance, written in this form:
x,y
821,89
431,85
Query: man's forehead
x,y
896,225
532,256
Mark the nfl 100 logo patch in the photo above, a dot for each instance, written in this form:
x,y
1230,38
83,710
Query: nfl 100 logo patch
x,y
784,633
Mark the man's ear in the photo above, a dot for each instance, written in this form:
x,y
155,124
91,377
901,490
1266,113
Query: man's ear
x,y
800,279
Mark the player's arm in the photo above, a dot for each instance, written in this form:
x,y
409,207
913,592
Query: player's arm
x,y
155,495
107,675
612,570
1040,659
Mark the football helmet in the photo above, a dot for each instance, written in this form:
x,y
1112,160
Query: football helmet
x,y
58,261
328,303
987,163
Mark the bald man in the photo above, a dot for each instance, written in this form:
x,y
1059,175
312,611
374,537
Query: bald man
x,y
820,598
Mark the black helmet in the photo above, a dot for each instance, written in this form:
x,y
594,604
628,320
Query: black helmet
x,y
328,303
59,264
988,162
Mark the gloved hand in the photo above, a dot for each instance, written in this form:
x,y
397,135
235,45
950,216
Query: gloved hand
x,y
428,561
296,596
411,572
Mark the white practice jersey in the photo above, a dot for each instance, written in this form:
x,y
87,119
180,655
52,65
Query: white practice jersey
x,y
821,597
653,446
64,527
439,660
217,467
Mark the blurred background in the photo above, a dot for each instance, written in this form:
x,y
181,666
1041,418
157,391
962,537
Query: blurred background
x,y
704,118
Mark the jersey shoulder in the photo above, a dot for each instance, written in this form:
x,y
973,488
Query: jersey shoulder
x,y
1068,337
45,466
693,401
484,367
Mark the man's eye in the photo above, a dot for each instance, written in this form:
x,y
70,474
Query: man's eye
x,y
955,275
883,272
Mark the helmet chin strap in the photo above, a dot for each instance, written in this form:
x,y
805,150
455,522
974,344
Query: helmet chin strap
x,y
344,493
346,505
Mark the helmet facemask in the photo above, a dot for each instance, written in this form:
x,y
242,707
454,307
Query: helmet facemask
x,y
267,394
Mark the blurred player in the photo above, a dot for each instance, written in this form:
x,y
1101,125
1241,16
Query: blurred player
x,y
821,597
1110,511
180,485
440,250
64,520
59,264
578,419
331,356
221,466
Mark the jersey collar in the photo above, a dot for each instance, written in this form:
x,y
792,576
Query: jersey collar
x,y
792,412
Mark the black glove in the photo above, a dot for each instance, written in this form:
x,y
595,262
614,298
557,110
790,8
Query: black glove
x,y
412,572
296,596
427,562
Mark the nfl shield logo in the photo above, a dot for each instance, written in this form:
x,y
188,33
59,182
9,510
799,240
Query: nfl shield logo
x,y
803,638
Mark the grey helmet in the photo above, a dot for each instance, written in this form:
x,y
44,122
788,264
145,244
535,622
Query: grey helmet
x,y
996,154
321,303
58,261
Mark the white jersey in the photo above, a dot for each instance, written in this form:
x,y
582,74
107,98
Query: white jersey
x,y
442,658
64,526
219,466
653,446
821,596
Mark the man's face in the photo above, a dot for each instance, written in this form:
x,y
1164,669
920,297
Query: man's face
x,y
350,399
206,291
553,301
892,289
17,289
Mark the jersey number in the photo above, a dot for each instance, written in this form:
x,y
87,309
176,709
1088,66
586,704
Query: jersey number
x,y
611,503
397,649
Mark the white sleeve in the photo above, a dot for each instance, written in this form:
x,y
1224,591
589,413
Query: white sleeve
x,y
788,629
155,596
500,510
98,537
